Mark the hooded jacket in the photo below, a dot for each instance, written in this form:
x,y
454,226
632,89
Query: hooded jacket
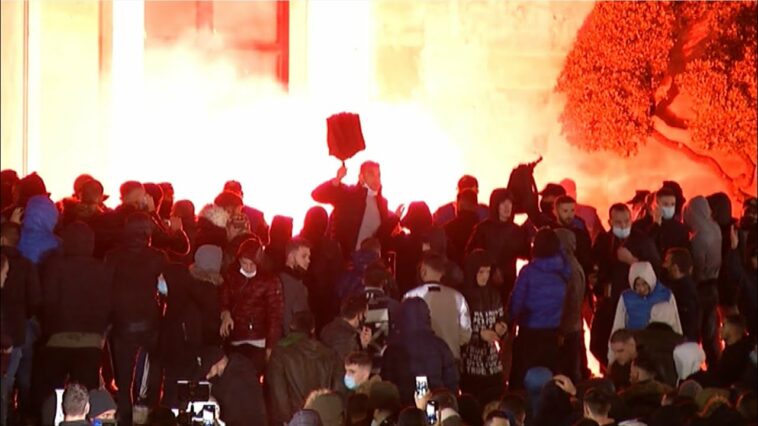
x,y
688,357
77,288
571,321
417,351
37,237
299,365
504,242
539,296
481,358
706,239
635,312
21,295
136,268
349,206
239,394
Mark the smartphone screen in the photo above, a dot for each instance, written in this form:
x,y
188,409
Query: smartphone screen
x,y
209,414
422,386
432,412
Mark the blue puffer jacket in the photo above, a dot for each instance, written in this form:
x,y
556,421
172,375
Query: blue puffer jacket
x,y
540,292
37,237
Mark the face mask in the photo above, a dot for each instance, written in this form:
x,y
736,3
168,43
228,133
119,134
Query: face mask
x,y
247,274
668,212
350,382
622,233
162,286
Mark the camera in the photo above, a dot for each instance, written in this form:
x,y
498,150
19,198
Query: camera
x,y
199,409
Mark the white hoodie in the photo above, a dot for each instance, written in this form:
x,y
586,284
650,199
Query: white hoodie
x,y
688,357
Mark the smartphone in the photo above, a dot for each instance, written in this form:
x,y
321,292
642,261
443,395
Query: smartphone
x,y
432,412
422,386
209,414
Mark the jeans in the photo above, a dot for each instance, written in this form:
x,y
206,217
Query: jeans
x,y
6,385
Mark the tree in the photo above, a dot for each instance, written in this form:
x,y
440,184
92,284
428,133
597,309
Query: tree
x,y
632,61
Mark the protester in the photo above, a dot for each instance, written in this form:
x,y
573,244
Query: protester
x,y
587,213
661,224
294,292
299,364
678,266
252,306
347,333
658,341
75,327
565,213
571,342
75,405
360,211
706,255
482,369
459,229
536,306
623,350
443,301
257,220
446,213
232,376
417,351
502,239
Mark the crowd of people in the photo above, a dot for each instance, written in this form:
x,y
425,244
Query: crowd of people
x,y
104,310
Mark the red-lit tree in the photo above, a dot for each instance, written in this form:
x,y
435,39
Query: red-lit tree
x,y
632,61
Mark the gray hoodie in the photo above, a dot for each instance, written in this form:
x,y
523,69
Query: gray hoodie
x,y
705,236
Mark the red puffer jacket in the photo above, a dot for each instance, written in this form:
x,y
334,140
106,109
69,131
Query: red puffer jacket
x,y
256,306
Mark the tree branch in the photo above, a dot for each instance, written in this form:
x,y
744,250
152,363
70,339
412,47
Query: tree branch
x,y
709,161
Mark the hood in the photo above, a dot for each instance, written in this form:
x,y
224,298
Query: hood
x,y
138,229
329,408
496,197
476,260
30,186
214,278
415,316
555,264
215,215
363,258
645,271
418,220
208,258
280,232
78,240
688,357
568,240
721,208
697,214
315,224
40,214
305,418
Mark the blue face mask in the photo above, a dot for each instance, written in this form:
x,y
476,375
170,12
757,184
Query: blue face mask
x,y
668,212
162,286
350,382
622,233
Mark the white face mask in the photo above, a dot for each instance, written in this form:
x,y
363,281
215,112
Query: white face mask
x,y
622,233
668,212
247,274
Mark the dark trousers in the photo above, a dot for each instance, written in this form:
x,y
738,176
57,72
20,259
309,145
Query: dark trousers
x,y
573,356
254,354
81,365
483,388
533,348
708,296
126,346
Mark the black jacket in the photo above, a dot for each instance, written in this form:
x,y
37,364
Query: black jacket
x,y
298,366
658,341
614,272
239,394
349,205
21,295
504,242
163,238
77,288
669,234
136,268
458,232
733,363
417,351
687,304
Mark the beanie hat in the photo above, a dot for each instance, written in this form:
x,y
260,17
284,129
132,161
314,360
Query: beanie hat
x,y
208,258
100,401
